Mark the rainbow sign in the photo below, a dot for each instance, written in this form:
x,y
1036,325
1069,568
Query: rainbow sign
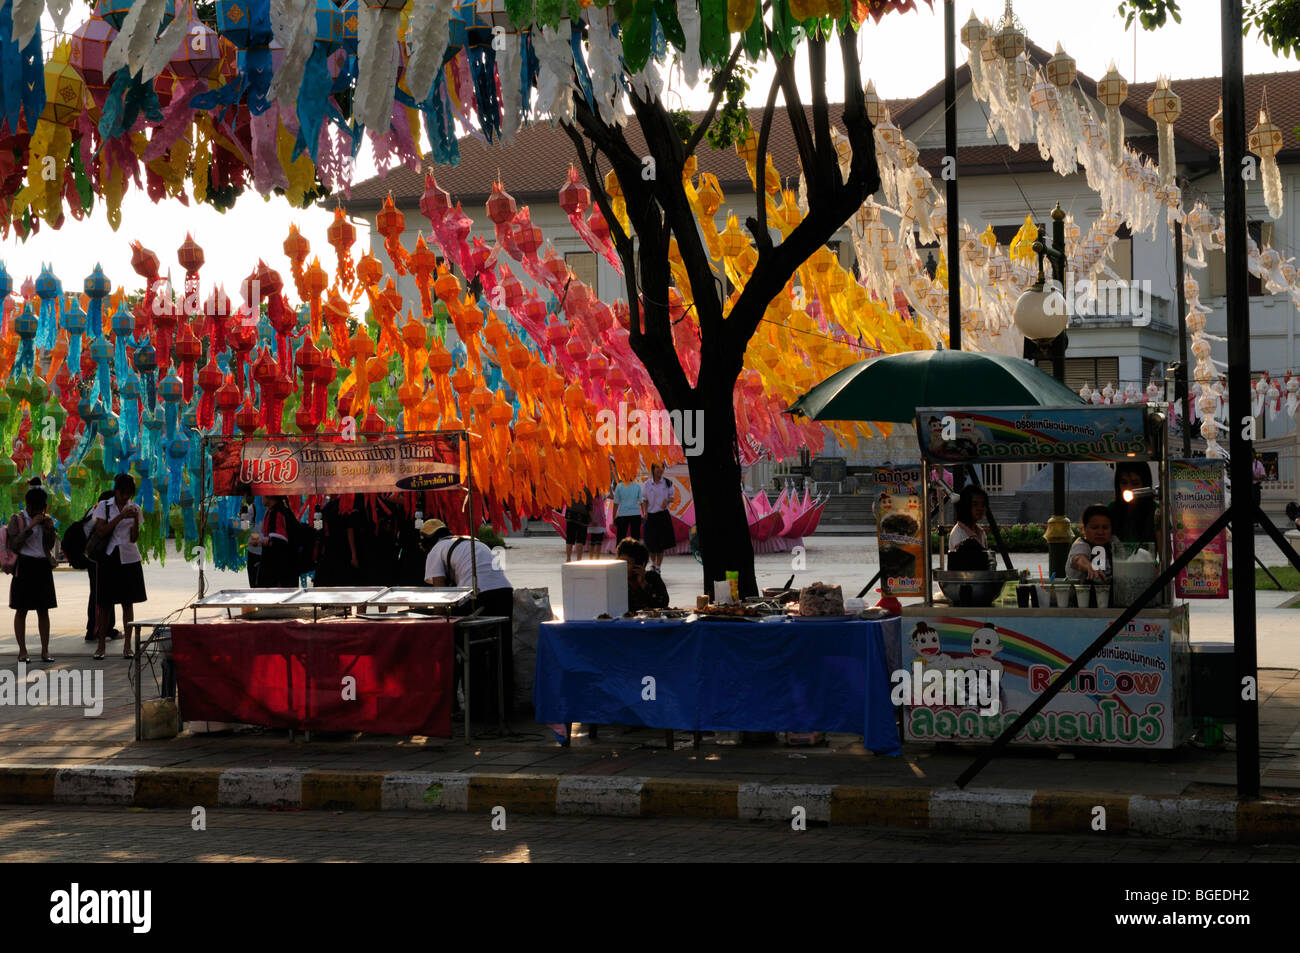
x,y
1134,694
1017,434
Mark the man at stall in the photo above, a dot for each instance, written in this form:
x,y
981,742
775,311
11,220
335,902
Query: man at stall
x,y
1096,528
644,590
656,495
453,561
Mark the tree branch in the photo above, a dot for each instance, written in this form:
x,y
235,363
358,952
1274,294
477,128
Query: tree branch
x,y
719,88
759,228
828,169
803,139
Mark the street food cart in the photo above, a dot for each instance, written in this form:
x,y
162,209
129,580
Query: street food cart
x,y
1134,694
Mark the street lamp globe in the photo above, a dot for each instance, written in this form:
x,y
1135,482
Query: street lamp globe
x,y
1041,313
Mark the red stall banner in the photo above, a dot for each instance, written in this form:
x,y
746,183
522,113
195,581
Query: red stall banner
x,y
385,678
288,467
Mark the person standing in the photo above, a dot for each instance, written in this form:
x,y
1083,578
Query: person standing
x,y
31,537
92,573
596,529
121,576
656,496
577,519
254,547
279,567
627,510
455,561
340,558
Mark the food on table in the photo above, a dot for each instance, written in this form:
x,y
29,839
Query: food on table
x,y
821,599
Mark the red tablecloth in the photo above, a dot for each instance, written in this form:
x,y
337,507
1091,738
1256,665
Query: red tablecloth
x,y
293,674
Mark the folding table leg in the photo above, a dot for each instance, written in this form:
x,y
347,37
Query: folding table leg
x,y
593,732
670,739
696,738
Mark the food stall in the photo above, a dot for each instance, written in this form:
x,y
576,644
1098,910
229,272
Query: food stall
x,y
1134,694
374,659
762,671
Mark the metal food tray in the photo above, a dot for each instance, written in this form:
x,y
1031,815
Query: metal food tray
x,y
333,596
421,596
235,598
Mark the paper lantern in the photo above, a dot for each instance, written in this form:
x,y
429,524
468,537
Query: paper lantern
x,y
90,42
1061,69
873,103
64,89
336,25
199,55
1265,140
1165,106
974,34
1112,90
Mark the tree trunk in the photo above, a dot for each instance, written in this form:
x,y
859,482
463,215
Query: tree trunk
x,y
716,485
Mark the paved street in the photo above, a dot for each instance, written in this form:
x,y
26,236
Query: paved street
x,y
114,835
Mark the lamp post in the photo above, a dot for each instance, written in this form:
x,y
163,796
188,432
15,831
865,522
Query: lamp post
x,y
1042,316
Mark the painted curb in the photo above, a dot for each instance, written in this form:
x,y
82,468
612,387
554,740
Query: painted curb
x,y
996,810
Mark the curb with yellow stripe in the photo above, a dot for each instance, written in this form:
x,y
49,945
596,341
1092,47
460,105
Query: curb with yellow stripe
x,y
984,809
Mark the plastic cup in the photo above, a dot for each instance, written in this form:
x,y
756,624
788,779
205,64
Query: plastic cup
x,y
1063,594
1081,595
1103,597
1044,600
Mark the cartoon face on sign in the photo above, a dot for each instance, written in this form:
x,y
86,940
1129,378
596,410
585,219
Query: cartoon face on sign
x,y
925,641
984,645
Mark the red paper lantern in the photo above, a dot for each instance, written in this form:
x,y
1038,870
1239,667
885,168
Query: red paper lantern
x,y
501,206
574,196
190,255
435,203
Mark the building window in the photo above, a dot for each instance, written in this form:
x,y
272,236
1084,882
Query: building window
x,y
1262,233
1096,372
583,266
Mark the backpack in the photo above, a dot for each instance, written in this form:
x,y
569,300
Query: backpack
x,y
451,571
74,543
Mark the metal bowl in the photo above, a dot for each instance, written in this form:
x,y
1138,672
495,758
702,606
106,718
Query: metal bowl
x,y
974,587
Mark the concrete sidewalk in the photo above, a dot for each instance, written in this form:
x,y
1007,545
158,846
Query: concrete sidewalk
x,y
54,755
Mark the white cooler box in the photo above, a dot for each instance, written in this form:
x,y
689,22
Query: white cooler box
x,y
593,587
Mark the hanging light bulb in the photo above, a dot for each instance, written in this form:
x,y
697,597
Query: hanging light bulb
x,y
419,520
317,523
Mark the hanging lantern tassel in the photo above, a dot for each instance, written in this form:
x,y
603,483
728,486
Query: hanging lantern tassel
x,y
973,36
1112,90
1265,140
1165,106
378,61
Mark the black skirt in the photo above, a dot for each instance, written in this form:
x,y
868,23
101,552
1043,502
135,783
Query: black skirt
x,y
119,584
33,584
659,536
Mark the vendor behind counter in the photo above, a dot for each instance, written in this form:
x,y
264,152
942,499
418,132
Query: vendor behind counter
x,y
968,543
1133,522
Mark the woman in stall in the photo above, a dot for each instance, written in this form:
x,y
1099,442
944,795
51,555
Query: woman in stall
x,y
967,543
1133,521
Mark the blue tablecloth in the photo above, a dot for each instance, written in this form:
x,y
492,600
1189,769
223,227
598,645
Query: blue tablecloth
x,y
795,675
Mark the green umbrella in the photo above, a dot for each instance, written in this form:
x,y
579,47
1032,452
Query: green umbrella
x,y
892,386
